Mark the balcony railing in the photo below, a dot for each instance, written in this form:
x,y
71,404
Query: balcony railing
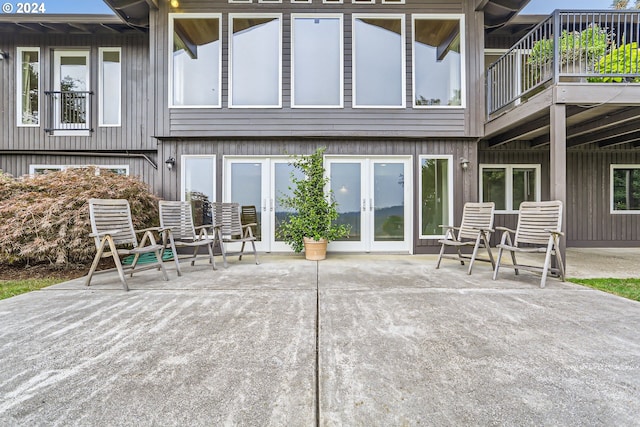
x,y
568,46
68,111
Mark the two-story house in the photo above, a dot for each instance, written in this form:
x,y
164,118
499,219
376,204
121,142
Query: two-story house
x,y
207,100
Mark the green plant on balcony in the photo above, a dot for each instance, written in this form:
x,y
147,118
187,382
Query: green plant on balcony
x,y
585,47
622,60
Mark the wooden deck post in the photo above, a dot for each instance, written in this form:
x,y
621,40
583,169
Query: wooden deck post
x,y
558,164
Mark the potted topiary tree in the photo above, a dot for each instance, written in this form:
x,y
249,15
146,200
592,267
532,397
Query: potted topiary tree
x,y
311,225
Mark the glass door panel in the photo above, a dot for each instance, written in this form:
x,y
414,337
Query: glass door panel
x,y
260,182
246,187
388,196
374,200
71,82
346,184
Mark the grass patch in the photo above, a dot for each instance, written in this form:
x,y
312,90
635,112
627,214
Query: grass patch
x,y
10,288
628,288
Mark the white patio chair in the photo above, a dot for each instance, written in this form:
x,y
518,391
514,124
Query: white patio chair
x,y
114,236
474,231
539,231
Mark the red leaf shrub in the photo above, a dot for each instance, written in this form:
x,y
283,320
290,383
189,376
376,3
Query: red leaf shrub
x,y
45,218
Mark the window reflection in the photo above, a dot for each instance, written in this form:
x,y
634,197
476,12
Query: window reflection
x,y
435,195
378,62
437,62
196,62
317,61
255,61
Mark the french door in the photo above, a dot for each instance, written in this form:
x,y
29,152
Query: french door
x,y
374,199
71,82
260,182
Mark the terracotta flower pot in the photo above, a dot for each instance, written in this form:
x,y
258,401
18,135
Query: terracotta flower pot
x,y
315,250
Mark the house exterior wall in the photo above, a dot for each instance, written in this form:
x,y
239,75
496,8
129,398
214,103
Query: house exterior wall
x,y
135,132
464,182
589,222
326,122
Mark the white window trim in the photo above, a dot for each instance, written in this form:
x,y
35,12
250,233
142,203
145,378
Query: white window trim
x,y
293,39
612,168
401,17
240,1
509,182
300,1
269,1
332,1
172,17
463,54
230,61
32,168
19,51
101,93
393,1
183,173
449,159
363,1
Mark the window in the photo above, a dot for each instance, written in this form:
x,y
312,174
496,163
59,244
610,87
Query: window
x,y
438,61
392,1
198,185
195,64
110,89
363,1
509,185
28,83
117,169
317,61
300,1
255,60
436,195
378,61
625,188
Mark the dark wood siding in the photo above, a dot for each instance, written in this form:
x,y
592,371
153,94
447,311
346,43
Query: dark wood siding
x,y
464,185
346,122
138,166
135,132
589,218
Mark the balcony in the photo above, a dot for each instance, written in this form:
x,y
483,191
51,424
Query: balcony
x,y
68,112
596,47
585,64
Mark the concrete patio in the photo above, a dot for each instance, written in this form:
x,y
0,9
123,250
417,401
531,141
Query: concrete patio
x,y
355,340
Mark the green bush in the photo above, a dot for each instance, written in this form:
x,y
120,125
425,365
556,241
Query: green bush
x,y
45,218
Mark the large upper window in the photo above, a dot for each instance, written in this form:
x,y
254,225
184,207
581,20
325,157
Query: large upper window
x,y
509,185
378,61
438,63
195,63
436,195
317,61
625,188
110,87
255,58
28,76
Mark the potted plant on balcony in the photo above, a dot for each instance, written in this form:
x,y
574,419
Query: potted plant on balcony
x,y
578,51
311,224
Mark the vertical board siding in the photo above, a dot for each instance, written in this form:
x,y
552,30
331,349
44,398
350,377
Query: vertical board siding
x,y
589,218
137,166
345,122
134,132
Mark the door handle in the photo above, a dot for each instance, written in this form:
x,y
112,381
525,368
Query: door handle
x,y
370,204
264,205
364,205
271,205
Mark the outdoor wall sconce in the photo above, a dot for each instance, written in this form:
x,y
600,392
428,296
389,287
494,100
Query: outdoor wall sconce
x,y
174,3
464,163
170,162
3,55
